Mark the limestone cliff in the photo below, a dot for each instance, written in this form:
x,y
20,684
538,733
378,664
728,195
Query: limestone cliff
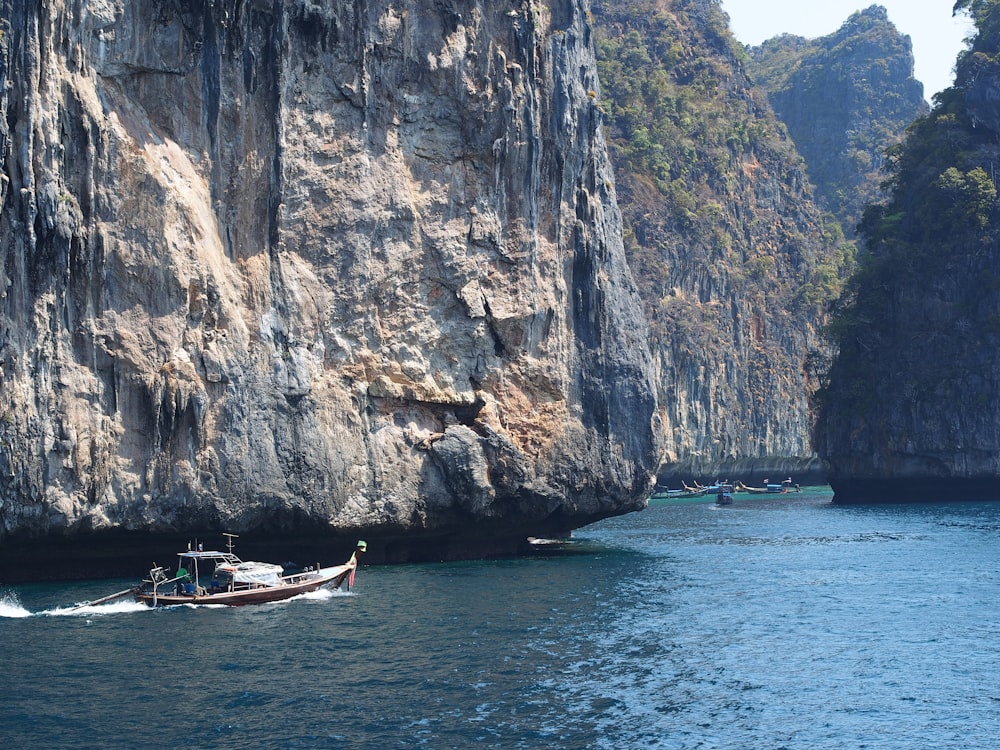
x,y
846,98
913,401
734,260
302,266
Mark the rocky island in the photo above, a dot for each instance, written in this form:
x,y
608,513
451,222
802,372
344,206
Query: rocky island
x,y
910,411
313,268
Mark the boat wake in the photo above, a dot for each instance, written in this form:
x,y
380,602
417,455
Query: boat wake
x,y
323,594
111,608
11,607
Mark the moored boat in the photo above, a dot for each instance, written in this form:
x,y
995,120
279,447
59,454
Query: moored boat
x,y
545,546
213,577
679,494
740,487
769,488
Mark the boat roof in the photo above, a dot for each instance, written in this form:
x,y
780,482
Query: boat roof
x,y
251,565
252,572
210,555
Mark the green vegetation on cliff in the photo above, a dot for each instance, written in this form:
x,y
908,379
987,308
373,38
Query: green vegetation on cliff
x,y
845,98
915,390
733,260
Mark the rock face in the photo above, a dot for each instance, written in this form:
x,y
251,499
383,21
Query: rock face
x,y
846,98
732,256
913,401
302,266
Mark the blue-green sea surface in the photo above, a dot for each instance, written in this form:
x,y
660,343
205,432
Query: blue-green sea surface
x,y
777,622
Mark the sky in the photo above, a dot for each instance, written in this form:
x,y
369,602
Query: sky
x,y
937,37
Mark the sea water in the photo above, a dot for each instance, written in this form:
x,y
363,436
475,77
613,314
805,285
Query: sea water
x,y
777,622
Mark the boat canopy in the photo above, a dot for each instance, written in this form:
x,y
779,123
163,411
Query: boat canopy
x,y
267,574
226,557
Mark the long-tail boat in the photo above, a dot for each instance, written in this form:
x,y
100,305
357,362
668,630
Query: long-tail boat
x,y
213,577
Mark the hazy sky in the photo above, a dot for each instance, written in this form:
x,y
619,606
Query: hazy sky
x,y
937,37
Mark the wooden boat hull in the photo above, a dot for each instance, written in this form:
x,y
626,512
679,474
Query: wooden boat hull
x,y
293,586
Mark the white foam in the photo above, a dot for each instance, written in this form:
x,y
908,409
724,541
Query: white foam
x,y
10,606
317,594
111,608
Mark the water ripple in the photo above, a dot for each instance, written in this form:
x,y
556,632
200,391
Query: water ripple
x,y
787,624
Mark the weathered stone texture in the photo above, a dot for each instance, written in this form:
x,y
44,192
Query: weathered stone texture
x,y
346,265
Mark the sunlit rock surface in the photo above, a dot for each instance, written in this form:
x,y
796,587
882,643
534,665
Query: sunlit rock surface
x,y
303,266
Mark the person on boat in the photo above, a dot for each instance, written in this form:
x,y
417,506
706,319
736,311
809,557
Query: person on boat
x,y
182,578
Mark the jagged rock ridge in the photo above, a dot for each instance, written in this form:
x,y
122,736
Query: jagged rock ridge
x,y
343,265
845,98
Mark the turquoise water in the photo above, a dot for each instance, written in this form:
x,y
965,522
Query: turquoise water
x,y
780,622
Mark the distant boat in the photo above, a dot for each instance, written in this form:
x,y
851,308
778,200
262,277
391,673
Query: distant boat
x,y
724,495
710,488
768,489
548,546
678,494
785,486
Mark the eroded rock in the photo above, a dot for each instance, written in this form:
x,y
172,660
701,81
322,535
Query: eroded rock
x,y
255,256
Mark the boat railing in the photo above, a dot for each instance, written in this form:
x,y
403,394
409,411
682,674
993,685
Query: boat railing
x,y
158,577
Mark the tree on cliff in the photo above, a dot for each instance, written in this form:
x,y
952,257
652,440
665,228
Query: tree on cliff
x,y
845,99
914,391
